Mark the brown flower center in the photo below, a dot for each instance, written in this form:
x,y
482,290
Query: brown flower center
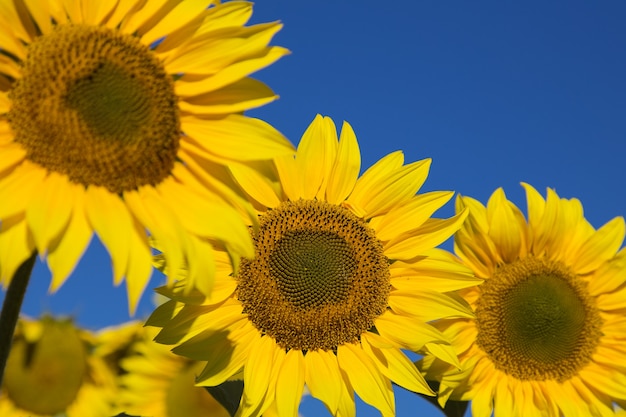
x,y
319,278
97,106
536,320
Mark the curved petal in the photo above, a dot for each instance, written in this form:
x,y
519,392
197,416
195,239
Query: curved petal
x,y
66,250
364,376
290,384
600,247
395,364
406,332
504,229
236,97
428,305
50,209
431,234
139,267
112,222
237,137
316,155
410,216
16,245
345,170
323,378
20,187
256,185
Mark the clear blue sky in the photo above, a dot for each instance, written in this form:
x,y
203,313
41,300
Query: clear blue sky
x,y
494,92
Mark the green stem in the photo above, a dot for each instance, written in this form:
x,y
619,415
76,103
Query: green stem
x,y
11,308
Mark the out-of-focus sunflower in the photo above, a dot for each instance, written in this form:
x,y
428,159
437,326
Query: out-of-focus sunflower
x,y
157,383
120,116
549,335
53,369
346,275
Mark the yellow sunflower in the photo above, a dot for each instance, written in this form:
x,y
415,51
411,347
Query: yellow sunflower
x,y
120,116
549,336
157,383
54,368
346,276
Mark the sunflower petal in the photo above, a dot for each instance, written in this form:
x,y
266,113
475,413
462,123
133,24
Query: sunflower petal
x,y
65,251
345,170
139,265
365,378
237,137
16,245
323,378
112,222
600,247
50,210
290,384
395,365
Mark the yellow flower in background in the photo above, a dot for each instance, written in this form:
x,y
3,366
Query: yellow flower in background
x,y
53,369
549,336
345,277
157,383
120,116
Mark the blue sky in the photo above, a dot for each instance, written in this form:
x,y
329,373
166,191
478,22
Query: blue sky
x,y
494,92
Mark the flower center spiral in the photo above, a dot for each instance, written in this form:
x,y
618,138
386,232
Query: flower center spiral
x,y
536,320
319,278
97,106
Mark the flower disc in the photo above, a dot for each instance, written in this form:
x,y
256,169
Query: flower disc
x,y
319,279
97,106
537,321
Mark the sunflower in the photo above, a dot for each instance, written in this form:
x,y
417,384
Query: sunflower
x,y
155,382
119,117
346,276
548,338
54,367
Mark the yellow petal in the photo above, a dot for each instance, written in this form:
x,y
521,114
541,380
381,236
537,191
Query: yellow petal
x,y
345,170
142,18
395,365
146,205
256,185
239,96
600,247
237,137
504,229
139,265
66,250
315,156
225,355
190,85
16,245
210,52
410,216
12,154
374,175
112,222
428,305
19,188
95,12
41,14
290,384
609,275
8,67
428,236
373,388
288,175
49,210
323,378
257,371
179,17
394,188
199,215
406,332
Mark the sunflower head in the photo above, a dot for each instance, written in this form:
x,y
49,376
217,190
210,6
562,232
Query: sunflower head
x,y
53,368
111,113
344,278
547,315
